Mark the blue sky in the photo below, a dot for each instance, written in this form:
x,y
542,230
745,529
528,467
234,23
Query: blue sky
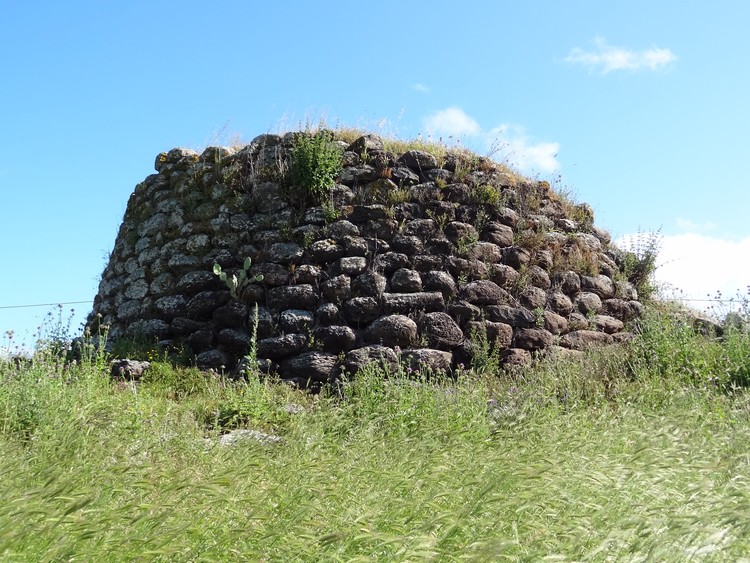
x,y
639,108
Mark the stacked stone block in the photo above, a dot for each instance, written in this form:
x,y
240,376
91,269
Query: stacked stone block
x,y
411,260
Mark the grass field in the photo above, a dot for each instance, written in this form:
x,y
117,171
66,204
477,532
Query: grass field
x,y
639,453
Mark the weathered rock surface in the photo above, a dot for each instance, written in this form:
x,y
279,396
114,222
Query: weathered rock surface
x,y
440,331
582,339
128,369
428,360
413,263
381,356
392,330
315,366
245,436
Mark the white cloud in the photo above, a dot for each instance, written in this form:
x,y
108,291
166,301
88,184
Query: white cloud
x,y
506,143
452,121
698,266
516,149
693,227
420,87
607,58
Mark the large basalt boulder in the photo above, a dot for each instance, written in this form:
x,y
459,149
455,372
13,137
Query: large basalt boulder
x,y
392,330
582,339
405,303
426,360
276,347
513,316
361,310
335,338
484,293
128,369
418,161
497,335
378,355
440,331
533,338
405,280
315,366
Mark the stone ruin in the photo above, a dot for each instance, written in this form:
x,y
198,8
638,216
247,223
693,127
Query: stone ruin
x,y
423,259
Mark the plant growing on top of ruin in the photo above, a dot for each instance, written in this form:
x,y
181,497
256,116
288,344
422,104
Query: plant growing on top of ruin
x,y
583,215
639,261
465,243
486,194
330,213
441,219
237,282
316,163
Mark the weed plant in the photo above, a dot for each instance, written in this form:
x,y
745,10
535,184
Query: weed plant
x,y
634,453
630,453
733,311
316,163
639,262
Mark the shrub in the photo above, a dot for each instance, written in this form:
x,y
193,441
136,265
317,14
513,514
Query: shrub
x,y
639,262
316,163
487,195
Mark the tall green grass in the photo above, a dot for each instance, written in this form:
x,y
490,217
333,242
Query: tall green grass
x,y
637,453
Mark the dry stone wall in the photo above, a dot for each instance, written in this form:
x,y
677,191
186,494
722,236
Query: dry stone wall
x,y
411,259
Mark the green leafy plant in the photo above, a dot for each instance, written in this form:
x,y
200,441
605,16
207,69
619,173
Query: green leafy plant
x,y
583,214
92,346
481,220
316,163
441,219
485,356
567,431
286,231
395,197
330,213
529,199
237,282
252,355
308,238
466,243
55,336
486,194
539,317
639,262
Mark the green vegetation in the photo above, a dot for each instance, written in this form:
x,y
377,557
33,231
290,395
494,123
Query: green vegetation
x,y
634,452
487,195
631,453
639,263
316,163
237,283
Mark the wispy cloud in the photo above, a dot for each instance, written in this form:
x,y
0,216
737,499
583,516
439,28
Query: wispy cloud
x,y
420,87
452,121
508,143
695,266
606,58
519,150
691,226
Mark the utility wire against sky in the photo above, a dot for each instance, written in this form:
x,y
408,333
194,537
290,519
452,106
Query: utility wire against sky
x,y
45,304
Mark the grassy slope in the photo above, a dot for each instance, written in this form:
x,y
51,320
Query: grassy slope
x,y
630,455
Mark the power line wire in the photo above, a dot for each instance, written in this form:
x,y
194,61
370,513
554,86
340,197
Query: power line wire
x,y
45,304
